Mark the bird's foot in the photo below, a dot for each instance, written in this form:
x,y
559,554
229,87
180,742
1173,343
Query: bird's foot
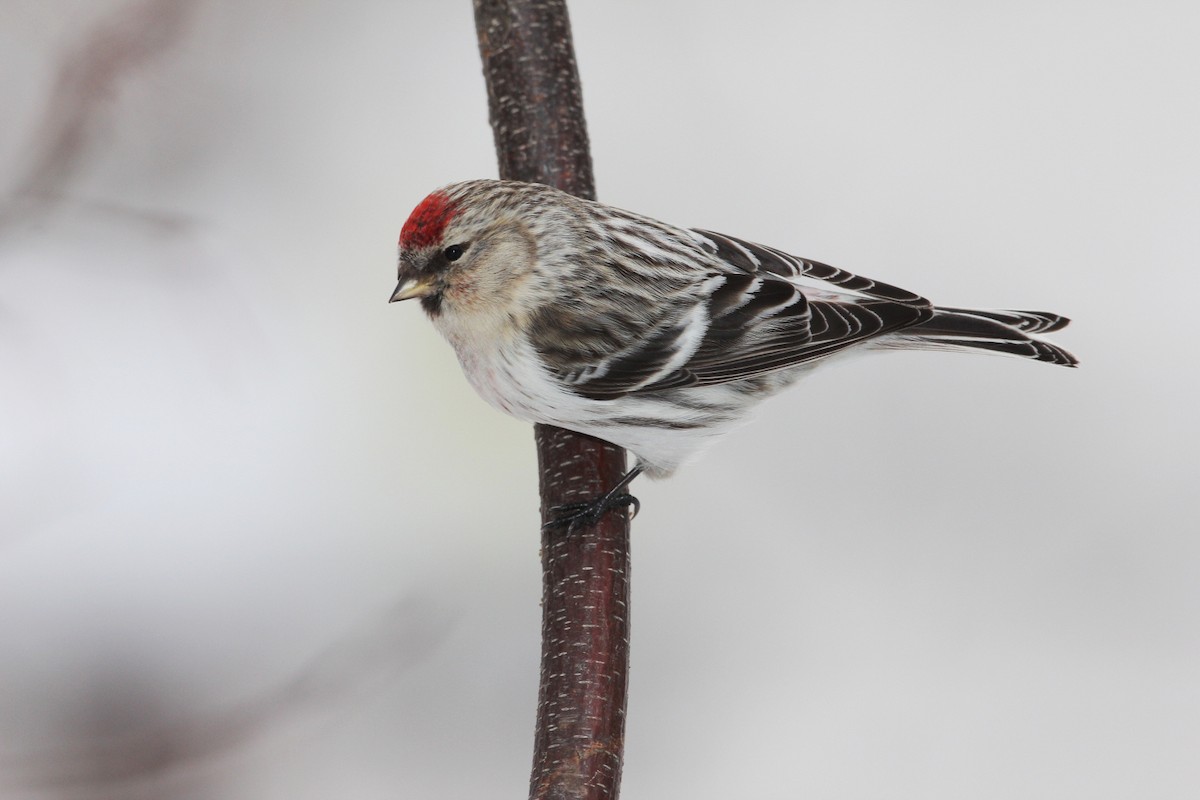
x,y
569,515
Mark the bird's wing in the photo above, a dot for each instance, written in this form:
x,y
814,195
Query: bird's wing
x,y
745,318
753,258
753,330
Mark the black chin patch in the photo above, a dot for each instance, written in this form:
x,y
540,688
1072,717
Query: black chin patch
x,y
432,303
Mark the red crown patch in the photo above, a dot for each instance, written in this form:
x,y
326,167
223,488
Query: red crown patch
x,y
428,221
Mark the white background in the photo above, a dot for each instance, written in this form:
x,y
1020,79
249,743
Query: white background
x,y
258,539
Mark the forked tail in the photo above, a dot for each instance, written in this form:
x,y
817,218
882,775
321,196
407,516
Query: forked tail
x,y
1005,332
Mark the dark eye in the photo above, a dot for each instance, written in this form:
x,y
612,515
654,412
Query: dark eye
x,y
453,252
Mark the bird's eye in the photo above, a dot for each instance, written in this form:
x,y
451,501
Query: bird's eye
x,y
453,252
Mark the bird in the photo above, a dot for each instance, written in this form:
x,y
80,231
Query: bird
x,y
657,338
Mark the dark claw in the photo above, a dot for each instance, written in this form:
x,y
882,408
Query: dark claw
x,y
637,505
570,514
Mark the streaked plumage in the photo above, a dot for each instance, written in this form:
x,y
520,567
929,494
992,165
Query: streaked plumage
x,y
656,338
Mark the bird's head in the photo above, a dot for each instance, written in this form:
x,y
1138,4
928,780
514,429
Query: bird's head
x,y
465,252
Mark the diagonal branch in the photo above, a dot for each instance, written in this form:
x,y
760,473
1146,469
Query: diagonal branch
x,y
536,112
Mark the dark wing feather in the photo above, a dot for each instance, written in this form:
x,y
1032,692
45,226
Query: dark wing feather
x,y
753,257
750,319
736,348
762,322
1027,321
634,367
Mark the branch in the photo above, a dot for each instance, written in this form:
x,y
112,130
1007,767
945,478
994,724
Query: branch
x,y
536,112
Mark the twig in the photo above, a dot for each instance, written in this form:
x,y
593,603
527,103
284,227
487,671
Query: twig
x,y
536,112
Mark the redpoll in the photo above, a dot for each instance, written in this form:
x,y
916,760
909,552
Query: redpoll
x,y
656,338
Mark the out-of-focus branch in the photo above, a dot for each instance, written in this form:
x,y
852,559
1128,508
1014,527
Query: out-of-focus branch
x,y
131,740
88,80
536,111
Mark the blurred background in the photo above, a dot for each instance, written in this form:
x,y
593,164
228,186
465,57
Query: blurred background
x,y
258,538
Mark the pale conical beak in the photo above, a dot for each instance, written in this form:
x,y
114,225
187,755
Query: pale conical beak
x,y
412,286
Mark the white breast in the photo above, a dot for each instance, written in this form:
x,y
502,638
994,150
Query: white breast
x,y
509,376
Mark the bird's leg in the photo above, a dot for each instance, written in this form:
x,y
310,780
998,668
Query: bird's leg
x,y
589,513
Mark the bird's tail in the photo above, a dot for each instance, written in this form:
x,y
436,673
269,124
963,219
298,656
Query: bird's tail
x,y
1006,332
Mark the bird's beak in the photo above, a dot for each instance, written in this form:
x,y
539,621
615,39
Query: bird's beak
x,y
412,286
